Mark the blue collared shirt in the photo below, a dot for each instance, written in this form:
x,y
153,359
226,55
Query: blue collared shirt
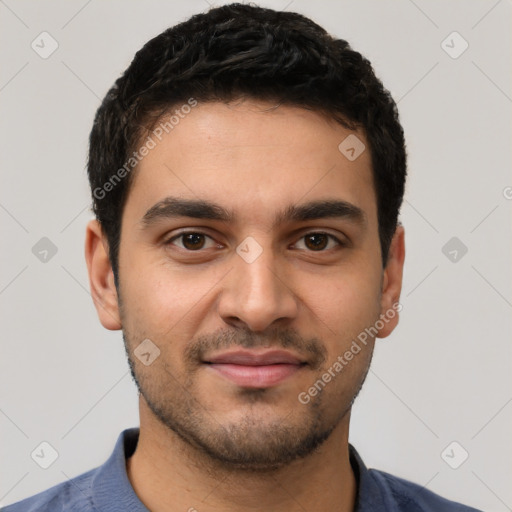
x,y
107,489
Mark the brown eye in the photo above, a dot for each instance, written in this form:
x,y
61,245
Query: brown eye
x,y
192,241
317,242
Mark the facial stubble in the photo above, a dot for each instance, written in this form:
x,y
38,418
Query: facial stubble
x,y
251,443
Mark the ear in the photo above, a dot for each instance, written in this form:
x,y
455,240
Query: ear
x,y
392,283
101,277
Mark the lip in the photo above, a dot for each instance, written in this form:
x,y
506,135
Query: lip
x,y
256,369
255,358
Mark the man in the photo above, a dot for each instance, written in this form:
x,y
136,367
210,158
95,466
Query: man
x,y
247,172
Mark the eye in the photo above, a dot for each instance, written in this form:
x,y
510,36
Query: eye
x,y
317,242
192,241
195,241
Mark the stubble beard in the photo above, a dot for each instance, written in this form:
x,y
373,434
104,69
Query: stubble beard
x,y
251,444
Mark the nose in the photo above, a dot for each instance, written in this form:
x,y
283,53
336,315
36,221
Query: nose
x,y
256,294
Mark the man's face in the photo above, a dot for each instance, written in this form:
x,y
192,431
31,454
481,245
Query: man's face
x,y
252,301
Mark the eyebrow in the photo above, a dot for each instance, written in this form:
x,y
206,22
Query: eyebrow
x,y
173,207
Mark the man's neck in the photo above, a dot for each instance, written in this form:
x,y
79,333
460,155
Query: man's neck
x,y
168,476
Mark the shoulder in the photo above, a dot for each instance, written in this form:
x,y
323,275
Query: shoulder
x,y
411,497
71,496
95,490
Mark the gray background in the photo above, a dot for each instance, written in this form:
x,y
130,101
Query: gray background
x,y
445,373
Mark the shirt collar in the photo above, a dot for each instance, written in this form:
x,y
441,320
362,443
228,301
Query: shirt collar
x,y
370,496
111,488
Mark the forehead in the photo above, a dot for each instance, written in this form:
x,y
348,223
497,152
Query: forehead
x,y
253,157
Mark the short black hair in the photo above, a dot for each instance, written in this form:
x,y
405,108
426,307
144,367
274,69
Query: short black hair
x,y
243,51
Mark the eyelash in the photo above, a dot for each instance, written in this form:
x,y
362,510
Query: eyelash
x,y
184,233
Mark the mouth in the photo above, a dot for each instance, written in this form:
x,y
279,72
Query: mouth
x,y
256,369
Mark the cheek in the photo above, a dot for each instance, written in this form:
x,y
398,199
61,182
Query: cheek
x,y
345,300
162,298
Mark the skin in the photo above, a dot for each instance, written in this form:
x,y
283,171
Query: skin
x,y
254,160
